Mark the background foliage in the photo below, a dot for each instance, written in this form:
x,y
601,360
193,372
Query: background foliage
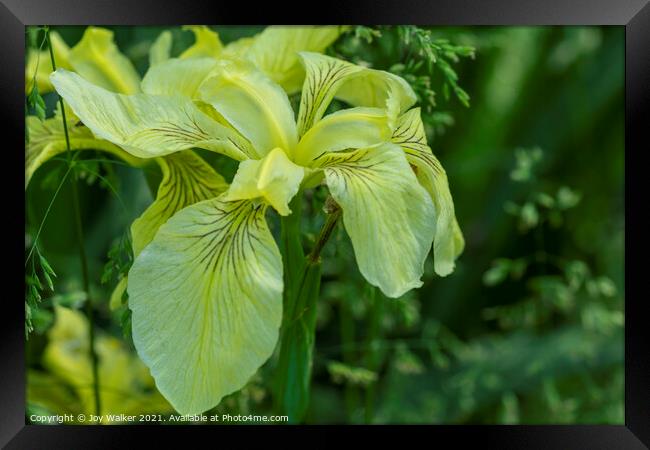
x,y
528,329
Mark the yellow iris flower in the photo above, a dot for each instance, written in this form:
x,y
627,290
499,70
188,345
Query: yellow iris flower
x,y
206,286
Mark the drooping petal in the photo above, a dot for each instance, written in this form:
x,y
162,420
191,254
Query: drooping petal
x,y
448,243
255,106
146,125
207,43
47,140
206,297
98,60
39,65
389,217
275,51
187,179
328,77
345,129
161,48
275,179
177,76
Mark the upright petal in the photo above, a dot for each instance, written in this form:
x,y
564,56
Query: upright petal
x,y
343,130
187,179
249,100
206,297
389,217
146,125
161,48
448,242
379,89
325,75
206,44
177,76
98,60
275,51
236,49
47,140
328,77
275,179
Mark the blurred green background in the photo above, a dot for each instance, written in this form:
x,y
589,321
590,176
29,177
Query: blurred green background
x,y
528,329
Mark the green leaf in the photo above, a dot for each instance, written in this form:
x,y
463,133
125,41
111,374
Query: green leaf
x,y
126,323
32,36
576,272
567,198
368,34
343,373
529,216
35,101
606,286
545,200
498,272
48,280
34,292
46,266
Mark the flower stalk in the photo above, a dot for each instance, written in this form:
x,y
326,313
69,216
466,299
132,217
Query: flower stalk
x,y
333,214
293,371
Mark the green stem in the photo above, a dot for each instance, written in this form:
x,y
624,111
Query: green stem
x,y
82,249
292,253
302,285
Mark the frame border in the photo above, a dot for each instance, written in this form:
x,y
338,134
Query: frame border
x,y
633,14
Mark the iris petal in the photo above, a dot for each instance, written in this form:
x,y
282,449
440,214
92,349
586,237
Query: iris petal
x,y
275,179
448,242
389,217
147,125
206,297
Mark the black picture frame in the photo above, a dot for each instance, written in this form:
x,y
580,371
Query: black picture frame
x,y
634,15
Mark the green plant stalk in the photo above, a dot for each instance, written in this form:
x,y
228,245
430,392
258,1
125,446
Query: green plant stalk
x,y
302,286
82,249
293,257
293,372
